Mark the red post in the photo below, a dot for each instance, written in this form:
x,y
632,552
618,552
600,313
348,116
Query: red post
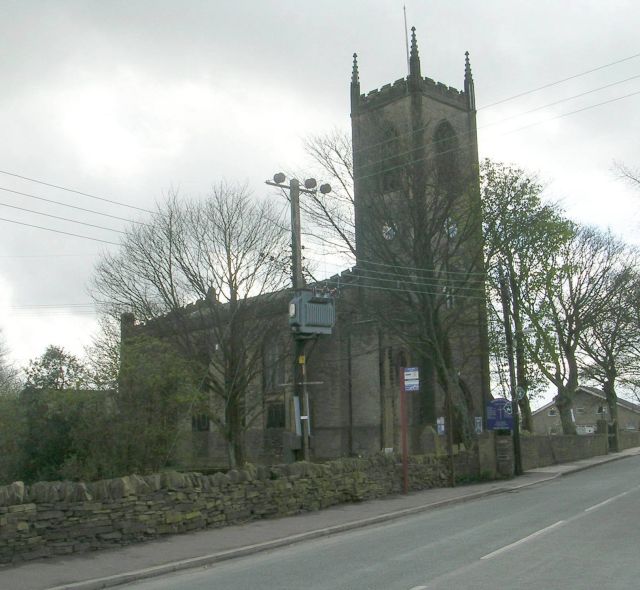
x,y
403,435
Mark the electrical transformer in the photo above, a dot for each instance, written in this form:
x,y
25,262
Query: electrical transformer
x,y
312,313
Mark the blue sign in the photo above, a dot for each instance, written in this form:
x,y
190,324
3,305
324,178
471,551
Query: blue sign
x,y
499,415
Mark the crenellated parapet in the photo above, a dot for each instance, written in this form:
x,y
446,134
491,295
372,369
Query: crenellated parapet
x,y
429,87
413,83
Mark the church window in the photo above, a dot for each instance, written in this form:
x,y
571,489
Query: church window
x,y
200,423
445,144
275,415
390,166
273,364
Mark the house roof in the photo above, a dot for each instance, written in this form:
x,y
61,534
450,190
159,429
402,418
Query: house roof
x,y
593,391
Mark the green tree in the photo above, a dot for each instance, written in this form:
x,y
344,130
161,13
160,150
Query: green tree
x,y
56,369
522,233
103,354
158,388
12,435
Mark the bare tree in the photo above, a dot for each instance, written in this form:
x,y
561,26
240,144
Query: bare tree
x,y
562,301
203,274
629,175
9,375
611,343
419,253
333,214
103,354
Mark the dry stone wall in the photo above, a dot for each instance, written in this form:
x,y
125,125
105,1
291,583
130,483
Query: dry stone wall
x,y
540,451
54,518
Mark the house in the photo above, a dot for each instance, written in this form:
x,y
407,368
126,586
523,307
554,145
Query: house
x,y
589,407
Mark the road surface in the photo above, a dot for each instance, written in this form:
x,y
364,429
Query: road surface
x,y
580,531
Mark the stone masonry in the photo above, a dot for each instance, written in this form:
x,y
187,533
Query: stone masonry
x,y
56,518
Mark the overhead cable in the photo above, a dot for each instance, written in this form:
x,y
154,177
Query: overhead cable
x,y
59,231
70,190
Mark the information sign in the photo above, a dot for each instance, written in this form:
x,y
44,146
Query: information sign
x,y
411,379
499,415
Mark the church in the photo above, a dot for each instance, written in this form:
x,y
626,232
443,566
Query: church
x,y
415,297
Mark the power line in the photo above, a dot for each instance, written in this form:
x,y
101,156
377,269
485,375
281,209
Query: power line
x,y
441,293
30,196
593,106
436,283
469,143
438,278
412,131
551,104
70,190
51,305
470,133
62,218
424,269
613,63
59,231
47,255
397,273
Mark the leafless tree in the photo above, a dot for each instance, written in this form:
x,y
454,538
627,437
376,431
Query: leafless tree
x,y
630,175
611,344
203,274
419,252
562,300
9,375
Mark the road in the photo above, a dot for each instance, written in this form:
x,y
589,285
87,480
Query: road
x,y
579,531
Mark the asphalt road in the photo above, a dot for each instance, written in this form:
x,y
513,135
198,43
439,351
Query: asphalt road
x,y
580,531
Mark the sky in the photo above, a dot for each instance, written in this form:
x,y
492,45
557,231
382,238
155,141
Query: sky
x,y
126,100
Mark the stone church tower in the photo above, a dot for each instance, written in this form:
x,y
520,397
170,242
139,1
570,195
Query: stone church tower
x,y
419,241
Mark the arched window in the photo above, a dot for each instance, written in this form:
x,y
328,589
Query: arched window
x,y
445,144
390,166
273,367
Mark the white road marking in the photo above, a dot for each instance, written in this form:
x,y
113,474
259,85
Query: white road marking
x,y
418,588
612,499
603,503
523,540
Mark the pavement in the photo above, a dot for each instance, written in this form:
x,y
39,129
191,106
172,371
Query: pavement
x,y
117,567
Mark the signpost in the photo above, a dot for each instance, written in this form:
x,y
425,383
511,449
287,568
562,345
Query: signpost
x,y
409,381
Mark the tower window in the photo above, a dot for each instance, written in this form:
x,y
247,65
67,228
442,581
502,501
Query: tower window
x,y
445,143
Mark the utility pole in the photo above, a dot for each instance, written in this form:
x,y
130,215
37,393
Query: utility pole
x,y
504,296
297,279
296,246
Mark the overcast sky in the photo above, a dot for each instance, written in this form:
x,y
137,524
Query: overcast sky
x,y
126,99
